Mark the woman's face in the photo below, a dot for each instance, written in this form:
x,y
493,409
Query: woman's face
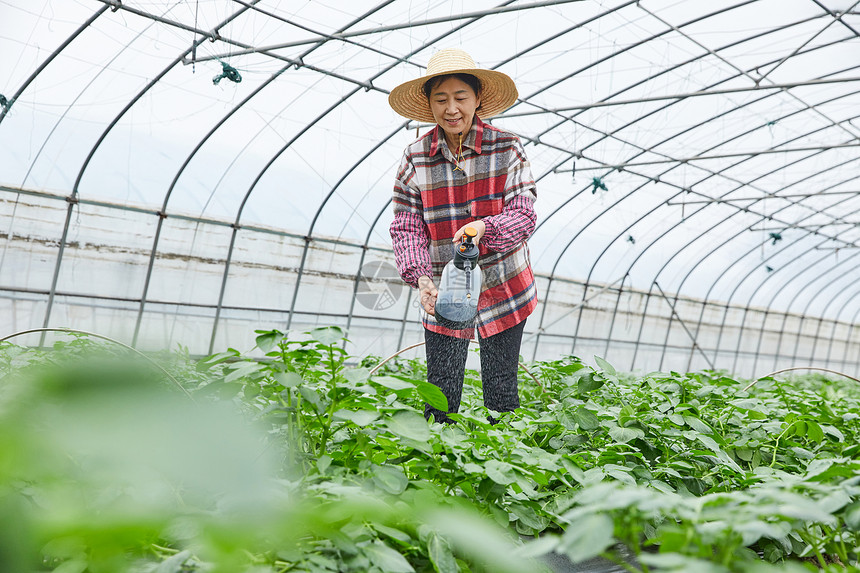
x,y
453,103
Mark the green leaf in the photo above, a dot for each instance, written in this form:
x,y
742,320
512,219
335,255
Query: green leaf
x,y
834,502
327,335
624,435
604,365
312,397
833,432
620,475
356,375
74,566
528,516
323,463
814,431
386,558
357,417
851,516
477,539
709,442
267,339
568,369
798,428
251,390
220,389
698,425
803,509
441,555
567,419
573,470
174,564
755,529
587,537
393,383
500,472
393,533
211,361
816,467
411,425
744,454
586,419
588,383
288,379
390,479
243,370
431,394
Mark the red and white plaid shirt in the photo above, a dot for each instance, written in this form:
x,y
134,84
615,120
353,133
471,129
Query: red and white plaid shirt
x,y
433,199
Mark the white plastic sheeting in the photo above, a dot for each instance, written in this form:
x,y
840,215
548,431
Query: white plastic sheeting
x,y
693,156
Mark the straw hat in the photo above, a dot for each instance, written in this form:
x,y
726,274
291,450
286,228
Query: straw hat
x,y
498,91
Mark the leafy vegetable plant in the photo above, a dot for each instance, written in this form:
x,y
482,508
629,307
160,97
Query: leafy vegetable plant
x,y
295,458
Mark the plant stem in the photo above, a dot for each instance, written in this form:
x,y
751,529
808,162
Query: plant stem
x,y
776,444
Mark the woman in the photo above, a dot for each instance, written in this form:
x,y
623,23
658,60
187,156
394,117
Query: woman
x,y
465,173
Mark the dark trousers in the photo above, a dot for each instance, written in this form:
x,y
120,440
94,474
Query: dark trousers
x,y
446,364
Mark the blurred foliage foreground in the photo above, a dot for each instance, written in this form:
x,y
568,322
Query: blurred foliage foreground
x,y
296,462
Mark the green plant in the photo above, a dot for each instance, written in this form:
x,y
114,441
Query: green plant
x,y
340,471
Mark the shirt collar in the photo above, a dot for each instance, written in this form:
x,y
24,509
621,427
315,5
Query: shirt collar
x,y
472,140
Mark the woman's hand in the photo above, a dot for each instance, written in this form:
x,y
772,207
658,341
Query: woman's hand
x,y
427,294
479,226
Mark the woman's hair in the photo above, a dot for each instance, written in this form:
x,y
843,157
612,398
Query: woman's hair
x,y
469,79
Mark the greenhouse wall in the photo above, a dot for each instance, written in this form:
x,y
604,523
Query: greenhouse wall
x,y
211,284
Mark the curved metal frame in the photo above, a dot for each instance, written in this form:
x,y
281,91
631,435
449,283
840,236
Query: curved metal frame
x,y
73,198
806,293
308,236
761,284
733,44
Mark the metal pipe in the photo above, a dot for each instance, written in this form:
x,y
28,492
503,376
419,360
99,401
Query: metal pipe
x,y
756,153
785,58
850,332
407,25
103,337
5,109
271,161
209,134
687,330
361,264
578,154
742,183
683,96
823,313
813,280
833,333
73,198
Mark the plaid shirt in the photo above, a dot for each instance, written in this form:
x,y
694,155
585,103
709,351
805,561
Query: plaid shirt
x,y
432,200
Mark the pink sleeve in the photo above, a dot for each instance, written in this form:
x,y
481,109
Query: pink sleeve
x,y
409,236
516,222
512,226
410,241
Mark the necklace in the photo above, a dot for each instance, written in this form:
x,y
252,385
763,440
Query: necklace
x,y
459,157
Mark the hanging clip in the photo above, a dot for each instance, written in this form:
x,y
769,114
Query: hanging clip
x,y
228,72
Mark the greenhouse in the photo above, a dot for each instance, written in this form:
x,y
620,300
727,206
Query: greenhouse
x,y
211,187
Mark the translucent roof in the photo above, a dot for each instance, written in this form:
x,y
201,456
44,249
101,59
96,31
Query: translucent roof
x,y
705,150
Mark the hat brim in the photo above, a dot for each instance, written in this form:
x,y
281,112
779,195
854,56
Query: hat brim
x,y
498,93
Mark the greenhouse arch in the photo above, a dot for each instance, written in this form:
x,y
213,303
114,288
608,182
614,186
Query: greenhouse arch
x,y
190,172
